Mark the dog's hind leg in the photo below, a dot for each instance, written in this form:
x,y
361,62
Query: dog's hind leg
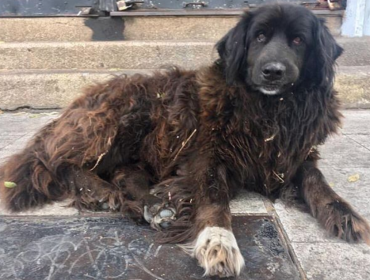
x,y
332,211
89,191
135,183
80,140
169,206
127,191
41,173
142,199
32,184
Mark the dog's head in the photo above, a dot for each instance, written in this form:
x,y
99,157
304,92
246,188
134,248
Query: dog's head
x,y
277,47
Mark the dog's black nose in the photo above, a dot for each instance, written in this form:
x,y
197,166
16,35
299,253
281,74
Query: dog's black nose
x,y
273,71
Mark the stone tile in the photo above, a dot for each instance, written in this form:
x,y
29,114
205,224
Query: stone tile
x,y
322,261
23,122
357,193
108,214
343,151
115,248
55,209
248,203
4,143
361,139
16,144
18,128
301,226
323,256
5,154
356,122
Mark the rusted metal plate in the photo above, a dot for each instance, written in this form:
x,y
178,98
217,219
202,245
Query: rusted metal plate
x,y
22,8
35,248
40,8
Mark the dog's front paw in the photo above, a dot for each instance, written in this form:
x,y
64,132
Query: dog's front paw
x,y
217,252
340,219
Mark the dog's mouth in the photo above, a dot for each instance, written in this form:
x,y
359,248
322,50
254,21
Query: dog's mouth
x,y
274,89
270,89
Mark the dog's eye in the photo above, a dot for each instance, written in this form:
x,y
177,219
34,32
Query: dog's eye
x,y
261,38
297,41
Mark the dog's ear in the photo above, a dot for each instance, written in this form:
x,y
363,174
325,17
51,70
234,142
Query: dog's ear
x,y
326,51
326,42
232,49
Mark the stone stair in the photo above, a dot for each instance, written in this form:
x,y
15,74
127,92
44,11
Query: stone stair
x,y
45,62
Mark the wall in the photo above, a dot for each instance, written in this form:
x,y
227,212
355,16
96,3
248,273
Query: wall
x,y
356,21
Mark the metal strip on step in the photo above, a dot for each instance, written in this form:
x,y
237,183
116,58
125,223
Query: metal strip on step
x,y
203,12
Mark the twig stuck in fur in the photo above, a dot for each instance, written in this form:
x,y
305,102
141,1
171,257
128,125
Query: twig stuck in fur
x,y
280,177
312,149
97,162
270,138
102,155
184,143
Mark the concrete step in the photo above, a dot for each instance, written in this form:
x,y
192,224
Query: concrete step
x,y
104,55
126,28
56,89
137,54
49,89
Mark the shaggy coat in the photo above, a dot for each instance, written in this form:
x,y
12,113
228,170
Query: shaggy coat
x,y
191,139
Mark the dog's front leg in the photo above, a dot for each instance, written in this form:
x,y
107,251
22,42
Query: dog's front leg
x,y
215,246
332,211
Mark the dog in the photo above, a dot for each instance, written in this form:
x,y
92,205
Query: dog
x,y
174,147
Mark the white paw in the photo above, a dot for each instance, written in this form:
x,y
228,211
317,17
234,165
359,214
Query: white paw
x,y
217,252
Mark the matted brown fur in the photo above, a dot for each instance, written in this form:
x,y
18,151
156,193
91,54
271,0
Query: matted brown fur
x,y
194,137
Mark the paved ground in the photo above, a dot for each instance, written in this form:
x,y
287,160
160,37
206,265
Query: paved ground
x,y
277,242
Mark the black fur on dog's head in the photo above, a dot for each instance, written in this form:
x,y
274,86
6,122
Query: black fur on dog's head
x,y
277,47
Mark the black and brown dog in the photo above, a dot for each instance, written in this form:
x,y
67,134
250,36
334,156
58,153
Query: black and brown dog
x,y
176,146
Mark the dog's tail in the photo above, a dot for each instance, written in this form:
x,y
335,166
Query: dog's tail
x,y
25,182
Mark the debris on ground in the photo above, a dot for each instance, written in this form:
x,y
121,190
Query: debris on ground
x,y
9,185
354,178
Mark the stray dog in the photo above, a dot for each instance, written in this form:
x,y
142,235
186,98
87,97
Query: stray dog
x,y
174,147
